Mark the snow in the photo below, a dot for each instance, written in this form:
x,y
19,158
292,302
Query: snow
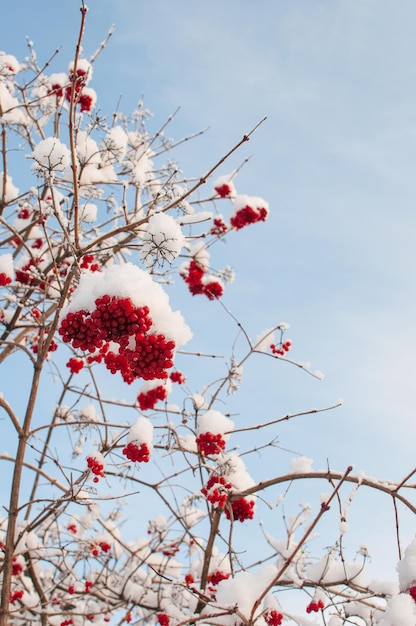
x,y
214,422
162,241
89,212
51,155
401,611
264,340
254,202
6,265
406,568
141,432
11,190
9,65
243,590
301,465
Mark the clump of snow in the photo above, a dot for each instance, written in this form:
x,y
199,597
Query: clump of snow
x,y
141,432
301,465
264,339
6,265
11,190
214,422
243,590
406,567
198,401
51,155
88,413
114,146
162,241
401,610
89,212
233,467
9,65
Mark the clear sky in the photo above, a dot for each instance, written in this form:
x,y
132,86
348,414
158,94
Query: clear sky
x,y
335,160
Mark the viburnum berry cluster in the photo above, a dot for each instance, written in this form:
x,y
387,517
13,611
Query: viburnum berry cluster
x,y
96,465
135,453
217,490
139,441
242,509
281,349
273,618
121,330
195,277
212,433
315,606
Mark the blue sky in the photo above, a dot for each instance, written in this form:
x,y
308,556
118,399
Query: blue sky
x,y
336,161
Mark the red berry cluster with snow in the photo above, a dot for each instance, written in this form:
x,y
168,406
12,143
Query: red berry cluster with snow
x,y
139,441
212,433
96,464
125,317
194,274
229,478
74,85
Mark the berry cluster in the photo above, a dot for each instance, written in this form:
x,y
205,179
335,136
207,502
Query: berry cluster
x,y
140,354
194,276
72,528
36,344
412,592
315,606
67,622
88,262
96,467
163,619
135,453
149,359
219,228
224,190
177,377
28,275
98,547
282,348
208,443
273,618
247,215
217,576
17,568
242,509
4,279
217,490
148,399
16,595
83,96
75,365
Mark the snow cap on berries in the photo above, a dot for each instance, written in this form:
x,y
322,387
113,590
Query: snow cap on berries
x,y
129,281
141,432
224,187
84,69
6,269
214,422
